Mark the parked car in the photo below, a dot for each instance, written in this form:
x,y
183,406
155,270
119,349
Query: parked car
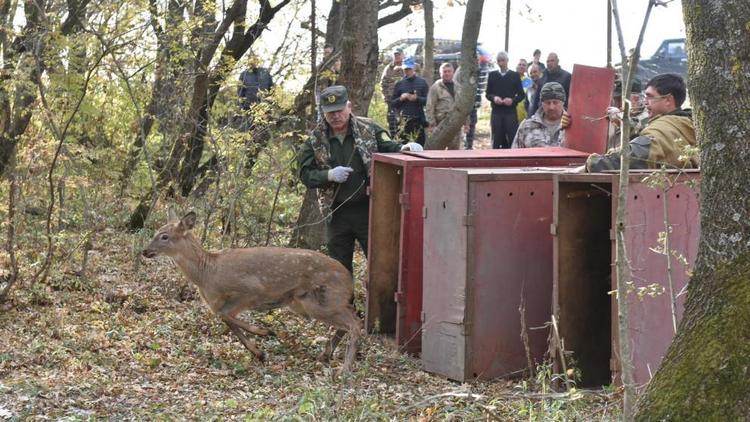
x,y
670,57
446,50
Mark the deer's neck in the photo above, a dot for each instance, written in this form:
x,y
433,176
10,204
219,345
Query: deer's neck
x,y
194,262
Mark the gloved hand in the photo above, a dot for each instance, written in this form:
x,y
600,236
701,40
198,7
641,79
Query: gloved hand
x,y
339,174
412,146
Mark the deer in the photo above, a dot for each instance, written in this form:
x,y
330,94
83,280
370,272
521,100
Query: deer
x,y
231,281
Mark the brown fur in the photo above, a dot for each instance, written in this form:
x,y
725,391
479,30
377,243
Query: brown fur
x,y
230,281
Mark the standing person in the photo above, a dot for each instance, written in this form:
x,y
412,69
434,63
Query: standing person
x,y
392,72
638,113
554,73
669,128
543,128
254,82
536,60
504,91
522,108
536,76
336,161
483,58
409,97
440,101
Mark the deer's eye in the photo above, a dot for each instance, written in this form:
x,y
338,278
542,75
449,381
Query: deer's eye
x,y
164,236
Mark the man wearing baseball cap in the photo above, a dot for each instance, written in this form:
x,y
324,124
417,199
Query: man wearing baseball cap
x,y
335,160
409,98
543,128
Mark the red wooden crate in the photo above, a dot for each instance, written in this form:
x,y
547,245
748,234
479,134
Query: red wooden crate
x,y
584,215
487,250
394,288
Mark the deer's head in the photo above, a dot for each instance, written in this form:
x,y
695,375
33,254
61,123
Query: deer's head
x,y
171,236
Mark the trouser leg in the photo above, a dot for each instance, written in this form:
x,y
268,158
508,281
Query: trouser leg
x,y
472,129
340,239
349,223
496,124
510,127
392,121
413,130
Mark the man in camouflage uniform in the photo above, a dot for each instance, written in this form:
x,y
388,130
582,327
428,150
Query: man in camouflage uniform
x,y
669,129
336,162
392,73
543,128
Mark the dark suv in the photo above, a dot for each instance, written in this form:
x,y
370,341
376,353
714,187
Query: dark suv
x,y
670,57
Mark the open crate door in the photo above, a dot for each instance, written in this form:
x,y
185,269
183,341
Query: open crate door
x,y
590,95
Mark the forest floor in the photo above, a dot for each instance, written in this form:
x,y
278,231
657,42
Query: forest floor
x,y
132,340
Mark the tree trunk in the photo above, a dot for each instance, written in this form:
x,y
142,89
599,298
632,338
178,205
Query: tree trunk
x,y
335,24
704,375
448,128
359,48
429,42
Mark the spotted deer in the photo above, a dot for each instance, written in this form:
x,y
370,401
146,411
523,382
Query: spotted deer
x,y
231,281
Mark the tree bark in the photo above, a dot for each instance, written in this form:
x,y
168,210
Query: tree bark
x,y
448,128
704,374
429,42
359,48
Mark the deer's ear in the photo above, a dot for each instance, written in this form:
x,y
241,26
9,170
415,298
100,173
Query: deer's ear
x,y
188,221
171,215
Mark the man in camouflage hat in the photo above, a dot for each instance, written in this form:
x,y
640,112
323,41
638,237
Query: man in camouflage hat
x,y
336,161
543,128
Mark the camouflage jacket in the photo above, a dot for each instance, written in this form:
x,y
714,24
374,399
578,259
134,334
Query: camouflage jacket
x,y
323,151
660,143
391,75
533,132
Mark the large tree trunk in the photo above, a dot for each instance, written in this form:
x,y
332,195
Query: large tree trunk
x,y
449,128
704,375
359,48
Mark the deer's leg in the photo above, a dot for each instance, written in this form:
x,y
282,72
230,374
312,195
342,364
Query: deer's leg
x,y
326,354
348,319
228,315
248,343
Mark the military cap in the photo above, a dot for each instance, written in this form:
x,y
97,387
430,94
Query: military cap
x,y
399,51
333,98
552,91
635,88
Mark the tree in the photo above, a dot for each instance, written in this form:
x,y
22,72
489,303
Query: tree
x,y
429,41
211,59
704,373
448,128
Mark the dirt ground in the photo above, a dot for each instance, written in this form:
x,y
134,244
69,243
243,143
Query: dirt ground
x,y
132,340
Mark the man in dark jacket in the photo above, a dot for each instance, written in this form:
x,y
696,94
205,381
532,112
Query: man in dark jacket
x,y
504,91
409,97
553,73
253,81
